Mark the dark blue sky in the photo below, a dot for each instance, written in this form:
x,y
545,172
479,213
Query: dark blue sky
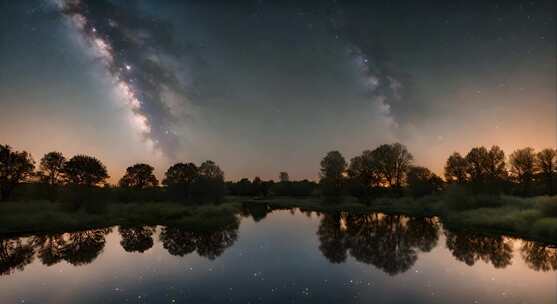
x,y
268,86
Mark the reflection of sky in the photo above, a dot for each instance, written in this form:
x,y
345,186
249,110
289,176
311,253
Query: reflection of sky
x,y
275,260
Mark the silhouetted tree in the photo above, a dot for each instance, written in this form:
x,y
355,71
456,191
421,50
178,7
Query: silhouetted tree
x,y
136,239
523,167
422,182
456,169
487,168
333,168
294,188
139,176
243,187
547,164
52,168
256,186
476,160
210,182
266,187
179,178
85,170
392,162
15,168
495,165
283,177
363,175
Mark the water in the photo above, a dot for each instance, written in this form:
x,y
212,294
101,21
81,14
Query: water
x,y
286,256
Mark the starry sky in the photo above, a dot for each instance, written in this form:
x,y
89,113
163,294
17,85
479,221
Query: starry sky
x,y
267,86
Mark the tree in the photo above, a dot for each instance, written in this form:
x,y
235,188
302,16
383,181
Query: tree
x,y
85,170
456,169
476,160
210,182
363,174
139,176
422,182
283,177
257,186
392,162
180,173
496,169
52,168
523,166
333,168
15,168
179,178
546,161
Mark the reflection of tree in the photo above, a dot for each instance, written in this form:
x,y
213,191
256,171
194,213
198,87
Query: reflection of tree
x,y
14,254
470,247
84,246
136,239
385,241
423,233
381,241
213,244
177,241
538,256
50,248
332,238
256,211
210,244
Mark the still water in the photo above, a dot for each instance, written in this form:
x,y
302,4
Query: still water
x,y
283,256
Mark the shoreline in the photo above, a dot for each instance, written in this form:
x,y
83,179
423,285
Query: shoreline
x,y
519,218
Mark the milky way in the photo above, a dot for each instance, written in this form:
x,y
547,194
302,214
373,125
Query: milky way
x,y
140,54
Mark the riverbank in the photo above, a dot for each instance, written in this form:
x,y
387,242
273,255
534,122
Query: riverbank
x,y
532,218
43,216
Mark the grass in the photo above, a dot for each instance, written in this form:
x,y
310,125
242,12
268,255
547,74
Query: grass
x,y
44,216
531,218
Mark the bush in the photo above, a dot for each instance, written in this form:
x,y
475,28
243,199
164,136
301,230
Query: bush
x,y
76,197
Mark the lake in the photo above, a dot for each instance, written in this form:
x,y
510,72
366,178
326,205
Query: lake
x,y
280,256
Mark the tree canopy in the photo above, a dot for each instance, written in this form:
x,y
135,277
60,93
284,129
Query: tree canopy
x,y
85,170
15,168
52,168
139,176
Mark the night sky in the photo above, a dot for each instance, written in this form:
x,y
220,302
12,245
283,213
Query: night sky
x,y
267,86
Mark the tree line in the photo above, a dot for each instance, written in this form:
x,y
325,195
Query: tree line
x,y
388,169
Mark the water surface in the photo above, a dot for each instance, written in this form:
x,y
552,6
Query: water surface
x,y
283,256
